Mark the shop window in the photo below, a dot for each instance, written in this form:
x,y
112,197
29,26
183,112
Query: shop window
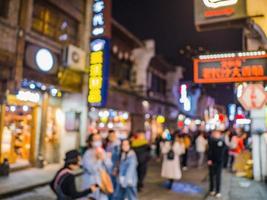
x,y
17,138
120,70
54,23
158,84
4,7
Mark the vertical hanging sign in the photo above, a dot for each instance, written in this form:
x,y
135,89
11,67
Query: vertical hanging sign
x,y
99,53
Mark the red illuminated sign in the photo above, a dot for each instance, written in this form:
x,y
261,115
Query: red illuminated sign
x,y
218,13
222,69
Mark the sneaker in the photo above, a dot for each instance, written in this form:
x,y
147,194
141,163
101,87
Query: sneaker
x,y
218,195
212,193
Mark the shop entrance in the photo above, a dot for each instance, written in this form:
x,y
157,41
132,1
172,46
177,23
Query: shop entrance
x,y
18,135
52,136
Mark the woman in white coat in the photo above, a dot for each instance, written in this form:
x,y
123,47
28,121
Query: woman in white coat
x,y
171,168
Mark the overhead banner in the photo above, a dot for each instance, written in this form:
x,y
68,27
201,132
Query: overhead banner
x,y
213,14
231,67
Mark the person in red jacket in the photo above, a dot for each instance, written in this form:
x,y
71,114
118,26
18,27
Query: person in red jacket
x,y
236,146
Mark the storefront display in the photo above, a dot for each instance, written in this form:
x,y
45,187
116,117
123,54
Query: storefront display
x,y
17,138
52,137
103,120
154,125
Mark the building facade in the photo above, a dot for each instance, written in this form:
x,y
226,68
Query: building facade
x,y
43,87
44,82
140,96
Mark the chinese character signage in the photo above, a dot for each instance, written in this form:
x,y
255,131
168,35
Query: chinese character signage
x,y
213,14
100,53
231,67
98,72
101,18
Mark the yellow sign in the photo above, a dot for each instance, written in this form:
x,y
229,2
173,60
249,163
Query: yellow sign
x,y
98,72
95,77
258,8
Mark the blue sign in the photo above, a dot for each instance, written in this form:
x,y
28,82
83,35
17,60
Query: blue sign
x,y
99,72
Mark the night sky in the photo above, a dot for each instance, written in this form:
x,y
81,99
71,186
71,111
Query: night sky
x,y
171,24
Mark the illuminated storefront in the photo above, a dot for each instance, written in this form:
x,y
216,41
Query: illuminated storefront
x,y
22,124
45,83
19,131
154,126
103,120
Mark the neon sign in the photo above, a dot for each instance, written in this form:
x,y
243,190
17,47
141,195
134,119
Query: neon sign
x,y
100,52
101,18
218,13
219,3
98,72
98,18
184,99
231,67
28,96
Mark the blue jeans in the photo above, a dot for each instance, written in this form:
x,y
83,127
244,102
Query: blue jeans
x,y
114,183
129,193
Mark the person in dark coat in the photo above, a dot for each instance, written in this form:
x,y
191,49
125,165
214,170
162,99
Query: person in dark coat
x,y
63,183
142,150
216,149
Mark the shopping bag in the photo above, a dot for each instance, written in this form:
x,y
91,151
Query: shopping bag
x,y
106,183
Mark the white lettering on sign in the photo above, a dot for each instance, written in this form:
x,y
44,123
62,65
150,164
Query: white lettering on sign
x,y
98,18
98,6
98,31
28,96
219,3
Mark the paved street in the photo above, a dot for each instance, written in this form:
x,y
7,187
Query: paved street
x,y
154,188
194,187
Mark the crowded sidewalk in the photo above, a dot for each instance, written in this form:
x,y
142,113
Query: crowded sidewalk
x,y
32,184
153,190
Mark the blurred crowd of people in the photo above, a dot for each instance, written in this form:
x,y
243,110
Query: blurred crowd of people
x,y
115,168
215,149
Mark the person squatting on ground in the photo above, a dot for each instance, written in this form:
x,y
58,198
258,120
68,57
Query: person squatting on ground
x,y
216,148
171,151
142,150
63,184
126,188
95,162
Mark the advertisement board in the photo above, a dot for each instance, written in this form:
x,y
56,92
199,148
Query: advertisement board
x,y
231,67
99,57
214,14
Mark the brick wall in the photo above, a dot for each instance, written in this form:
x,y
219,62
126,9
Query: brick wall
x,y
8,28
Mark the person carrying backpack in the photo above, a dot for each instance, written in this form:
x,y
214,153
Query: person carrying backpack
x,y
171,168
63,184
